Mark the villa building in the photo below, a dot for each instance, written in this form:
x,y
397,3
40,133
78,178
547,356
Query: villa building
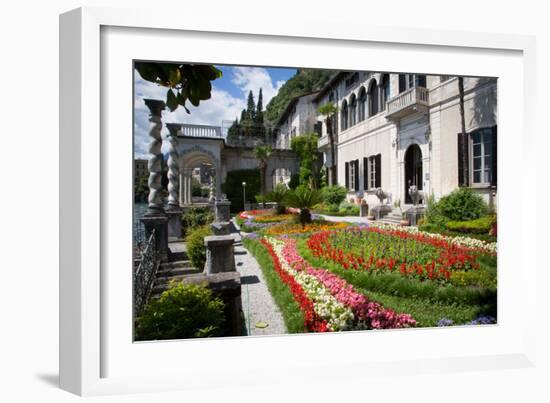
x,y
140,168
299,117
396,130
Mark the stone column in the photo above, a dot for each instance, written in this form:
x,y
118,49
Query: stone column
x,y
155,159
155,217
173,167
174,211
218,182
188,188
181,189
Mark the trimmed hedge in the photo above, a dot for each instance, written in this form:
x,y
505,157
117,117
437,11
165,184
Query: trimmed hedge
x,y
233,187
479,226
195,217
196,250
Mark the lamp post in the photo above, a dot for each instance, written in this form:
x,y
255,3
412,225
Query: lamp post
x,y
244,195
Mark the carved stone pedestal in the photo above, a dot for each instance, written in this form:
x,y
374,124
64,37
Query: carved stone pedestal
x,y
220,254
221,210
159,223
414,214
174,222
381,210
363,209
221,228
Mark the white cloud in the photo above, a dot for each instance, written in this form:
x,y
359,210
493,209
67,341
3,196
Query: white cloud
x,y
221,106
254,78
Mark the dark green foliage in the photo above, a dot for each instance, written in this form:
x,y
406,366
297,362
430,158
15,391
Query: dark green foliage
x,y
462,205
195,217
478,226
185,82
348,209
196,251
305,147
334,195
233,187
294,181
250,107
292,314
251,122
304,199
259,115
304,81
183,311
141,188
278,195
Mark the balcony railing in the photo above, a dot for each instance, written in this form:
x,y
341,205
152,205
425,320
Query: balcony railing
x,y
410,101
201,131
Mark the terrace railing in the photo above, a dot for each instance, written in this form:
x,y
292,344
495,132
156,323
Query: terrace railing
x,y
145,273
190,130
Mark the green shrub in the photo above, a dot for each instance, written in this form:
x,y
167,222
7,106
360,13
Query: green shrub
x,y
233,187
346,208
433,215
334,195
461,205
182,311
479,226
294,181
304,199
195,217
196,251
278,195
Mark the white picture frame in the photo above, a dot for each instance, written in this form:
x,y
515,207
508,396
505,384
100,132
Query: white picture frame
x,y
92,358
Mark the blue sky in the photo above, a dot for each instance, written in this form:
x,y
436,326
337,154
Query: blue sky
x,y
229,95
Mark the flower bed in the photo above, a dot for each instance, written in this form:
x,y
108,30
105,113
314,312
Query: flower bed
x,y
465,241
334,304
411,254
274,218
254,213
290,228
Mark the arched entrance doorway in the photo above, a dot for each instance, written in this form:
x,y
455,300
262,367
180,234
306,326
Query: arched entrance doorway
x,y
413,170
198,166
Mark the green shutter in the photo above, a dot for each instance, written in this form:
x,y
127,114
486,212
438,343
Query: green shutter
x,y
365,173
378,164
347,175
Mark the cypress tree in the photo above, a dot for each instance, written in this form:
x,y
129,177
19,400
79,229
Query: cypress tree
x,y
251,107
260,108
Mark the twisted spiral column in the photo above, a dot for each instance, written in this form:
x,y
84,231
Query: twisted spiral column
x,y
173,167
155,160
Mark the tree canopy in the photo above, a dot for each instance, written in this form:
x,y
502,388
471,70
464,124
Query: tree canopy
x,y
185,82
304,81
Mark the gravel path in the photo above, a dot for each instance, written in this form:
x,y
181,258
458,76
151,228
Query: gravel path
x,y
258,304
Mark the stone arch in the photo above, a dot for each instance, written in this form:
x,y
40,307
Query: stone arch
x,y
281,175
414,168
280,161
189,157
192,157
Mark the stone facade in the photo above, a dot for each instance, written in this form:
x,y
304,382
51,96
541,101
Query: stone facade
x,y
299,117
396,130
